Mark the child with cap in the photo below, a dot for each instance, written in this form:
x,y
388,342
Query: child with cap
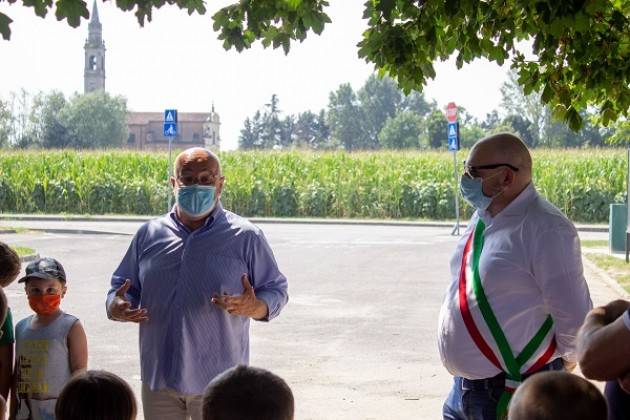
x,y
51,345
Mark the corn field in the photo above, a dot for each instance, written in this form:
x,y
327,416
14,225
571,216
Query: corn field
x,y
394,185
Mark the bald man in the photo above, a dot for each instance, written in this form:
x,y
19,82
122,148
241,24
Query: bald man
x,y
193,279
517,295
557,396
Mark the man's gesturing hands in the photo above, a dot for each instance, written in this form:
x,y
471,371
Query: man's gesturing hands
x,y
243,305
120,308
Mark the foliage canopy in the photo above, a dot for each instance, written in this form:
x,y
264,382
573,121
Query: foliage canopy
x,y
580,48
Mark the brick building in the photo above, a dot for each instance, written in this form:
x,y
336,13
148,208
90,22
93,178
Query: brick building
x,y
193,129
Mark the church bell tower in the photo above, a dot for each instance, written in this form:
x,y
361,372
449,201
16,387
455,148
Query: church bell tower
x,y
94,72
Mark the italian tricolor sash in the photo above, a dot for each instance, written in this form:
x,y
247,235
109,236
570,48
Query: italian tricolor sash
x,y
498,352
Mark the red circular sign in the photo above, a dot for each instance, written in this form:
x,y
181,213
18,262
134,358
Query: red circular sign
x,y
451,112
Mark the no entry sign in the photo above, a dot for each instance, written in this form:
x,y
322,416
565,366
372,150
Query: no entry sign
x,y
451,112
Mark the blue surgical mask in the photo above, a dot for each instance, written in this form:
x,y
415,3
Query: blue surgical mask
x,y
472,191
196,201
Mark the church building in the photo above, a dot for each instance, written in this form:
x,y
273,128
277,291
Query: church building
x,y
146,128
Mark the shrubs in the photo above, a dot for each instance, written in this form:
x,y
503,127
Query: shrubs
x,y
292,184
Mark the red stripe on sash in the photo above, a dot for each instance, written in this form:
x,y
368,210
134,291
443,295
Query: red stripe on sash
x,y
466,315
544,359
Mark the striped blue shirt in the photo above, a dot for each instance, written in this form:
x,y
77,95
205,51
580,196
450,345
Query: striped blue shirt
x,y
174,272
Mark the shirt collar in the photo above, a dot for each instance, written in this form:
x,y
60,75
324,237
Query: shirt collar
x,y
517,207
218,209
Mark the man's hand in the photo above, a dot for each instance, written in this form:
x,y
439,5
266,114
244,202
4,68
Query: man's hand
x,y
120,308
243,305
624,382
568,365
615,309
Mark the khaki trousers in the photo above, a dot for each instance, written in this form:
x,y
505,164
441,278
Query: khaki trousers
x,y
168,404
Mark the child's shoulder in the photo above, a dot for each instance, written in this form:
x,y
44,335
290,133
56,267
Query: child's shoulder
x,y
24,321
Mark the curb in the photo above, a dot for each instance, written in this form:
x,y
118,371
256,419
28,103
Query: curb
x,y
263,220
78,231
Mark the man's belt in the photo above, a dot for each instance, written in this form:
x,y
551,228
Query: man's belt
x,y
498,381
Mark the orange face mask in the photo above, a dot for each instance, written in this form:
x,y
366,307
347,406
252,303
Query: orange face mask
x,y
44,304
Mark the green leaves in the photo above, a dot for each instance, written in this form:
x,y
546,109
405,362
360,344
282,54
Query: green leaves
x,y
41,6
4,26
274,22
581,48
72,11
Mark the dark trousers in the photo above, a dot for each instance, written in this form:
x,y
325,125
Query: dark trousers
x,y
477,399
618,401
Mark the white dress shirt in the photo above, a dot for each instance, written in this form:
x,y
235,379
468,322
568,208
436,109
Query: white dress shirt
x,y
530,267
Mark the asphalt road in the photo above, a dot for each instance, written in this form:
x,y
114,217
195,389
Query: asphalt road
x,y
357,339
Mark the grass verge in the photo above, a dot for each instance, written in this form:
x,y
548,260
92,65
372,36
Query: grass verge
x,y
23,250
594,243
616,268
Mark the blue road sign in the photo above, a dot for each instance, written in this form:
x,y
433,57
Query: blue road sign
x,y
170,116
170,123
170,129
453,136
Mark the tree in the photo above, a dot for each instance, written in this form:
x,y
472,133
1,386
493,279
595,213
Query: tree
x,y
523,128
287,131
21,132
436,129
272,129
492,120
416,102
380,100
402,131
621,133
346,119
247,139
5,123
95,120
306,130
323,130
45,113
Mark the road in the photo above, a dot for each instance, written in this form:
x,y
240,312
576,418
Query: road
x,y
357,339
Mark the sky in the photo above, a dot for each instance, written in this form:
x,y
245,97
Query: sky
x,y
176,61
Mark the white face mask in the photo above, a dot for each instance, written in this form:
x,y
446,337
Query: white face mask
x,y
196,201
472,191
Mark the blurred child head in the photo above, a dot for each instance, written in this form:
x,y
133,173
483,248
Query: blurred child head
x,y
245,392
45,285
9,265
557,395
96,395
3,408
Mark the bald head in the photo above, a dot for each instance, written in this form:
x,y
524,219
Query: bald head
x,y
556,396
197,157
503,148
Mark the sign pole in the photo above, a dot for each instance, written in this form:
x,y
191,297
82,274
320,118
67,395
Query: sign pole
x,y
452,134
455,230
170,172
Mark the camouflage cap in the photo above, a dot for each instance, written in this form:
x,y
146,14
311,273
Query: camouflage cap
x,y
44,268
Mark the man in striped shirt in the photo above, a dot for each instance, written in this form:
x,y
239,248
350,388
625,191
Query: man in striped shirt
x,y
193,279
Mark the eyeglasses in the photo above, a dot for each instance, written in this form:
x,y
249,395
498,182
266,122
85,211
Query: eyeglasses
x,y
203,179
471,171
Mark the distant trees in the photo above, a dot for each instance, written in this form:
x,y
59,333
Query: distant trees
x,y
49,120
379,115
